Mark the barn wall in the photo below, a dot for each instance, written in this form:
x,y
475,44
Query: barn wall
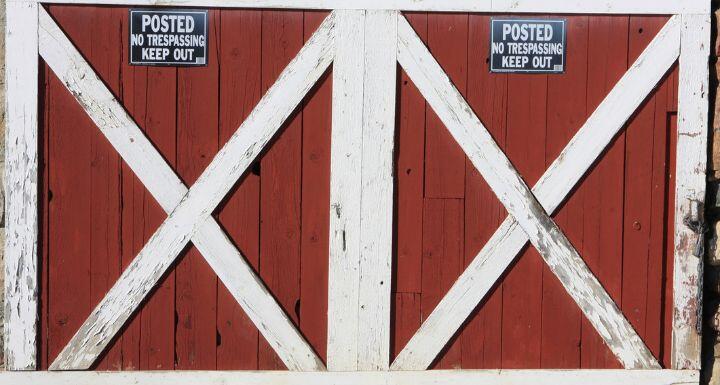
x,y
711,295
96,216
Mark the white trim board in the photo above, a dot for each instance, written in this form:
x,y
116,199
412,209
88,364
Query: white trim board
x,y
455,377
657,7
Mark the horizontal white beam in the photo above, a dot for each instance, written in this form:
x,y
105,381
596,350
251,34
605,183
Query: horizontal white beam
x,y
450,377
668,7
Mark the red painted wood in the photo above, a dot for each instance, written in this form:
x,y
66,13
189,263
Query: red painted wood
x,y
566,96
410,155
240,90
406,320
314,251
70,157
280,215
444,159
522,287
197,144
638,190
487,95
443,224
603,193
44,100
149,341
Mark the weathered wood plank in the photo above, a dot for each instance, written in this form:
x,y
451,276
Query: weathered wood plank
x,y
345,191
21,199
129,291
376,230
361,191
456,377
523,6
690,189
511,190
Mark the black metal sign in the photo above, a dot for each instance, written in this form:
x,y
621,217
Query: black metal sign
x,y
527,45
168,37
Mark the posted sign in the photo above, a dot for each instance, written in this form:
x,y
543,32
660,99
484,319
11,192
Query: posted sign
x,y
527,46
168,37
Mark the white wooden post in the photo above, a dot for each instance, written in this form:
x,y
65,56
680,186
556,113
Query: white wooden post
x,y
376,211
361,191
690,181
21,162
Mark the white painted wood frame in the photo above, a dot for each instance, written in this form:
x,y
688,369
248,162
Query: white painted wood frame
x,y
690,179
551,190
358,342
21,186
455,377
361,191
156,174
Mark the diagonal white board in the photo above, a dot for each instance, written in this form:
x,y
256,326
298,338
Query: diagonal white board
x,y
563,260
193,211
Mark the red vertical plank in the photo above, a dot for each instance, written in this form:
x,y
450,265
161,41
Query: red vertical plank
x,y
43,203
444,159
239,93
487,95
638,190
105,55
603,192
665,358
522,287
561,317
69,297
316,123
280,219
442,262
197,144
654,332
406,322
157,339
149,340
409,176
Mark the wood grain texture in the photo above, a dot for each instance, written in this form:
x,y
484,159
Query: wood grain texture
x,y
376,229
280,180
666,44
603,197
21,181
195,282
318,47
345,191
361,220
690,189
240,90
314,248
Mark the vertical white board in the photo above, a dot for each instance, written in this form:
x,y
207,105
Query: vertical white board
x,y
345,191
690,168
376,211
21,164
361,191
